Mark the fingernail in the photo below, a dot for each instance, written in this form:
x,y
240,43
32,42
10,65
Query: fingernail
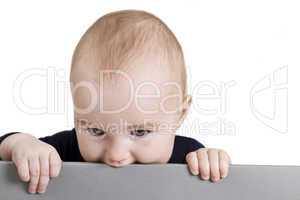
x,y
223,175
194,172
41,191
214,179
32,191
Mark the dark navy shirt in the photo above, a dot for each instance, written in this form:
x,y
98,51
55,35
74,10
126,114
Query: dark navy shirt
x,y
66,144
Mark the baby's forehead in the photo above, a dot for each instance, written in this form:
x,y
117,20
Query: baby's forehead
x,y
138,89
145,75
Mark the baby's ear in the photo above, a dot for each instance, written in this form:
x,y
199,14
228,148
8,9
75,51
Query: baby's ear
x,y
187,104
185,108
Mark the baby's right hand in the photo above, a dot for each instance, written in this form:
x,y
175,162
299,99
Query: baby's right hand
x,y
35,161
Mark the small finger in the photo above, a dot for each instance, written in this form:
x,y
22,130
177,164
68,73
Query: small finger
x,y
34,170
224,161
22,169
55,164
192,161
203,164
213,157
44,174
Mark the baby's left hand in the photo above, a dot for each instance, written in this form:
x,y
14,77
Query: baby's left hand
x,y
209,163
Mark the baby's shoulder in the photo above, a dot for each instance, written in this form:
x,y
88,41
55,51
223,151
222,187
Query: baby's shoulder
x,y
187,143
182,146
60,137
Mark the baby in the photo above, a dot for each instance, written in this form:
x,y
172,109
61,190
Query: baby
x,y
128,83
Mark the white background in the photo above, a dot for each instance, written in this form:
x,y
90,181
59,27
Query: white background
x,y
243,57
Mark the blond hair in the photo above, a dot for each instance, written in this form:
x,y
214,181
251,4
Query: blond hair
x,y
118,38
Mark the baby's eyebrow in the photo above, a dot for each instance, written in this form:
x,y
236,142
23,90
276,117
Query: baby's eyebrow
x,y
151,125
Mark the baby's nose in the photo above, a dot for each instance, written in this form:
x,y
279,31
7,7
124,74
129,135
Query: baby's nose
x,y
117,157
118,152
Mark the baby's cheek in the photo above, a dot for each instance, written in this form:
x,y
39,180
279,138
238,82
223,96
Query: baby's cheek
x,y
90,150
145,154
156,150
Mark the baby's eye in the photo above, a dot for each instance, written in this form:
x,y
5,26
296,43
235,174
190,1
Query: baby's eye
x,y
140,132
96,131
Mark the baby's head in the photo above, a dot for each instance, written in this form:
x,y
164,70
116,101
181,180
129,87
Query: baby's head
x,y
128,82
